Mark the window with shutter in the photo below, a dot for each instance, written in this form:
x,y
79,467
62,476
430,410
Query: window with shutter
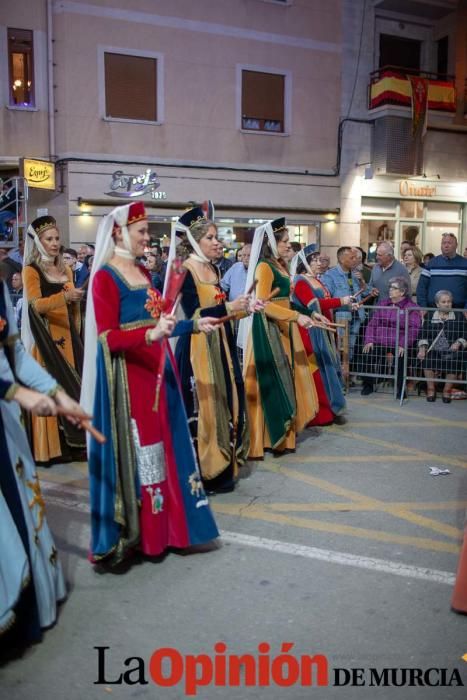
x,y
263,101
130,87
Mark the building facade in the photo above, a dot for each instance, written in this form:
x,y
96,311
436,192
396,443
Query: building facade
x,y
267,107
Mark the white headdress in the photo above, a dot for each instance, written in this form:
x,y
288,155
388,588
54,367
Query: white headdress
x,y
31,241
105,249
294,263
244,327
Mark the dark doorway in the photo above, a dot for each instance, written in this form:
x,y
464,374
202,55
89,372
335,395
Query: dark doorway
x,y
443,48
399,51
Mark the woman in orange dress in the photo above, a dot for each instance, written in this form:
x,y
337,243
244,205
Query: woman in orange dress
x,y
50,332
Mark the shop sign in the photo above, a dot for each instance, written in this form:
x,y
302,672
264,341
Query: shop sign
x,y
39,173
410,189
133,186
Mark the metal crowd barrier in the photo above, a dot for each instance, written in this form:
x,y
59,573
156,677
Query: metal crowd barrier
x,y
442,364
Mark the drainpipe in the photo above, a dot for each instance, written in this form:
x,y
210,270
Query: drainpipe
x,y
50,81
461,60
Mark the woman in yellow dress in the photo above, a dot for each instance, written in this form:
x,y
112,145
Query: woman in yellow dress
x,y
210,373
281,394
50,332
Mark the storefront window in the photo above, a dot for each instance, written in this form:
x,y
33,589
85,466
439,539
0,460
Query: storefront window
x,y
373,232
433,236
420,222
411,232
442,218
305,234
411,209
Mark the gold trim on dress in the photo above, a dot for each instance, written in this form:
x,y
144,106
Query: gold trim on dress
x,y
125,281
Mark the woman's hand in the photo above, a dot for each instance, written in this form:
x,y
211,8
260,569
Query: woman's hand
x,y
163,329
256,305
304,321
73,294
207,324
401,352
241,303
421,353
367,347
35,402
321,319
68,404
345,301
455,346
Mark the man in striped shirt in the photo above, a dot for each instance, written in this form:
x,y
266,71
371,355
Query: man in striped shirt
x,y
447,271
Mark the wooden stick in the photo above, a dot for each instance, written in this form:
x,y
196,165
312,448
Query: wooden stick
x,y
98,436
252,287
160,372
324,326
233,316
336,325
85,422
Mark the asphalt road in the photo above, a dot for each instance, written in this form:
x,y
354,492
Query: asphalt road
x,y
347,549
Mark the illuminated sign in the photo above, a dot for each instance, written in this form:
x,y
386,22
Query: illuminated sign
x,y
133,186
409,189
39,173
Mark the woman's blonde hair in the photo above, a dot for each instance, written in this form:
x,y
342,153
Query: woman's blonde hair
x,y
198,231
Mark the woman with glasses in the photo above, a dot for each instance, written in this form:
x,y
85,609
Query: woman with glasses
x,y
385,334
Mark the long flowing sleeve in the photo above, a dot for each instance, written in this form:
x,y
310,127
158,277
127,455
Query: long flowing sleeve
x,y
6,387
75,305
265,280
27,370
32,285
307,296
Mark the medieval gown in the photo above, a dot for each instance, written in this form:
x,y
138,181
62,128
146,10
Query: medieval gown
x,y
212,384
281,395
145,486
58,348
31,580
321,350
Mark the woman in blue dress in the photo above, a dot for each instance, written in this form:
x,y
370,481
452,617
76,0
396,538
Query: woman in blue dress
x,y
31,579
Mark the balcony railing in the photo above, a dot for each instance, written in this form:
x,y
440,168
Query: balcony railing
x,y
391,85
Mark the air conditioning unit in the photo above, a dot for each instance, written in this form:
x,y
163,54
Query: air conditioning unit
x,y
395,150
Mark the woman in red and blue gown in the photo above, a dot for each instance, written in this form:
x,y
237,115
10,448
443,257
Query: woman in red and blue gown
x,y
146,490
309,296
